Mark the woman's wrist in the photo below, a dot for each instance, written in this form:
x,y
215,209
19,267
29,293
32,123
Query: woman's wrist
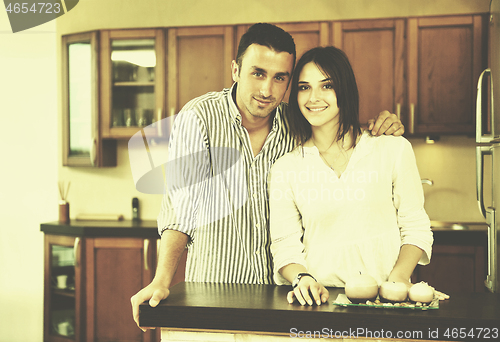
x,y
299,276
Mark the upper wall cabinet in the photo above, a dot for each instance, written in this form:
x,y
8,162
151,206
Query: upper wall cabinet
x,y
445,58
375,49
199,61
133,81
82,141
117,82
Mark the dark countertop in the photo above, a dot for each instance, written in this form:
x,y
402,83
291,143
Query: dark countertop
x,y
263,308
125,228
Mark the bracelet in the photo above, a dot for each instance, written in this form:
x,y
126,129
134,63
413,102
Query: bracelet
x,y
295,282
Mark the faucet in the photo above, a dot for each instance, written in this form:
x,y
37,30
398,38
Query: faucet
x,y
427,181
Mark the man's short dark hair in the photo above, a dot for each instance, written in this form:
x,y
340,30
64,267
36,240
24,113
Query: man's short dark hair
x,y
268,35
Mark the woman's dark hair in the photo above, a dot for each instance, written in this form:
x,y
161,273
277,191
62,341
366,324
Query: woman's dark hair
x,y
268,35
334,64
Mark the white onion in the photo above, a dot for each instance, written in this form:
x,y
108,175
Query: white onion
x,y
421,292
360,288
394,291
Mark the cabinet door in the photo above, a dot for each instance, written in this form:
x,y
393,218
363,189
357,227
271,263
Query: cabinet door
x,y
63,291
307,35
133,81
116,269
445,58
82,142
375,49
455,269
199,61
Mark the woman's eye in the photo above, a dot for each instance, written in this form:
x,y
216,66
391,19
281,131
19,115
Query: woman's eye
x,y
303,87
328,86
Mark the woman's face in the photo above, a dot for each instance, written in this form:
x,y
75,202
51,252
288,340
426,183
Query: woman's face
x,y
316,98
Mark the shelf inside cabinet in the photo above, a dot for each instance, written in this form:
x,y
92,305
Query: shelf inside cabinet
x,y
133,84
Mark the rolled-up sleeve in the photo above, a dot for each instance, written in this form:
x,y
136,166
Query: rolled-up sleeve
x,y
285,222
413,221
187,167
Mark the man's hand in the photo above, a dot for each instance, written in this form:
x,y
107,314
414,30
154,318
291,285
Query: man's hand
x,y
306,287
386,123
154,293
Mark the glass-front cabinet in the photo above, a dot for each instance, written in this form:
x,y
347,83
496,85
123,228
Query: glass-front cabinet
x,y
63,286
133,86
82,141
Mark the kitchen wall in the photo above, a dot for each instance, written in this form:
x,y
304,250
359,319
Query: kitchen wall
x,y
30,110
28,173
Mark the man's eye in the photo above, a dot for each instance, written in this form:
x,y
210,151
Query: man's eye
x,y
258,74
280,78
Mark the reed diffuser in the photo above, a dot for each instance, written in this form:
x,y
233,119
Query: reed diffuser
x,y
63,203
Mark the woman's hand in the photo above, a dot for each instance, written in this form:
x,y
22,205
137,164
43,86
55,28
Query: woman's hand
x,y
307,287
440,295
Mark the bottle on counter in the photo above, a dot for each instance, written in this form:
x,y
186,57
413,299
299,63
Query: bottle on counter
x,y
135,209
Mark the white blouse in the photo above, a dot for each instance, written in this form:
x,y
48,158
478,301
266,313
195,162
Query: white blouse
x,y
339,227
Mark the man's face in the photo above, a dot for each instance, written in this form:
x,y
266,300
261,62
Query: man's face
x,y
262,80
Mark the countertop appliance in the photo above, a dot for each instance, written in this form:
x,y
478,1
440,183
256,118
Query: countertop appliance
x,y
488,143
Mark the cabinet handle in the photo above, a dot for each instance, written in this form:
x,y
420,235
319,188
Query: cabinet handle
x,y
75,251
412,119
398,110
146,252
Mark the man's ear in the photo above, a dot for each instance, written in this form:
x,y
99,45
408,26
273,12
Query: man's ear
x,y
235,71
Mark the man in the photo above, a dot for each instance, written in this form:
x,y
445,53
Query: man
x,y
221,149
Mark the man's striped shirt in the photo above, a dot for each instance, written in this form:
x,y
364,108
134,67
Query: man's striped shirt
x,y
217,190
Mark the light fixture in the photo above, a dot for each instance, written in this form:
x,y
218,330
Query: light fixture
x,y
143,58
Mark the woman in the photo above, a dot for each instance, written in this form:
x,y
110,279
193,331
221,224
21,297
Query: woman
x,y
343,201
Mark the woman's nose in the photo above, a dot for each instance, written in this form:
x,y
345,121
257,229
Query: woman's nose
x,y
315,95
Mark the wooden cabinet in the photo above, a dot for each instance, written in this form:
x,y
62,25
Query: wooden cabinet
x,y
423,69
458,262
64,300
133,84
375,49
83,144
116,269
455,269
102,273
445,58
199,61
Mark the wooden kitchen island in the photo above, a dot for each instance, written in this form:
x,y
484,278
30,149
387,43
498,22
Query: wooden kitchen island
x,y
234,312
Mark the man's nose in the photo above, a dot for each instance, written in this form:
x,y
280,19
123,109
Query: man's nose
x,y
266,88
